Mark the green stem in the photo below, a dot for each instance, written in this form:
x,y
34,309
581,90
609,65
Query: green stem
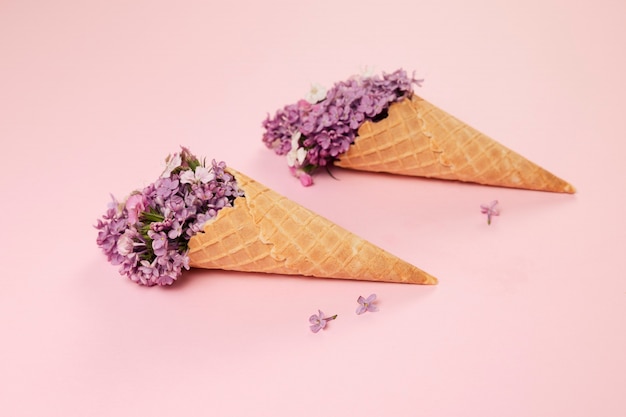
x,y
152,217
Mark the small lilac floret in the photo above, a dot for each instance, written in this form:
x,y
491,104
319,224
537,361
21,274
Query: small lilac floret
x,y
159,242
166,187
319,321
366,304
490,210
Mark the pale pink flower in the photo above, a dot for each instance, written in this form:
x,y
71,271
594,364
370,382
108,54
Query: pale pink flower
x,y
187,177
305,179
316,94
200,175
490,209
203,174
135,204
173,162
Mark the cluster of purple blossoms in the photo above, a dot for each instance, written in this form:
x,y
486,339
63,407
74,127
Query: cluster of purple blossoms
x,y
147,235
314,132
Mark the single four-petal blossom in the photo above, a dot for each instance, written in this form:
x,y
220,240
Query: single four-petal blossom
x,y
366,304
316,94
490,210
319,321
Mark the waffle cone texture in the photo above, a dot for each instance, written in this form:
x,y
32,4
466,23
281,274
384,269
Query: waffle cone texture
x,y
266,232
420,139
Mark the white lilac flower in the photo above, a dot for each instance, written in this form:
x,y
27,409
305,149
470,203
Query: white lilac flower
x,y
367,71
316,94
300,155
187,177
295,139
203,175
296,157
200,175
173,162
292,155
291,158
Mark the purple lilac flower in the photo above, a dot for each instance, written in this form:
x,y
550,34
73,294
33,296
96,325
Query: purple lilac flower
x,y
319,321
490,210
166,187
176,230
366,304
326,127
159,242
147,235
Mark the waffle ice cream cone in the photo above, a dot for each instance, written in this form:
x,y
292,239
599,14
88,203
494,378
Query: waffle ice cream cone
x,y
266,232
419,139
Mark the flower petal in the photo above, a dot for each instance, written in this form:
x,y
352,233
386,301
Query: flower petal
x,y
292,157
300,155
203,175
187,177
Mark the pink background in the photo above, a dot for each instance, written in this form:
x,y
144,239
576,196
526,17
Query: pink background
x,y
529,318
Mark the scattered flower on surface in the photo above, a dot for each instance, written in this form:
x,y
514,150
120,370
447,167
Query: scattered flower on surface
x,y
490,210
366,304
319,321
315,131
147,234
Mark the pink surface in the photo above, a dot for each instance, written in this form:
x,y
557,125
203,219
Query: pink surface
x,y
529,318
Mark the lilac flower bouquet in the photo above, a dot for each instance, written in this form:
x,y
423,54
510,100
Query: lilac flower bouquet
x,y
199,215
315,131
147,234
